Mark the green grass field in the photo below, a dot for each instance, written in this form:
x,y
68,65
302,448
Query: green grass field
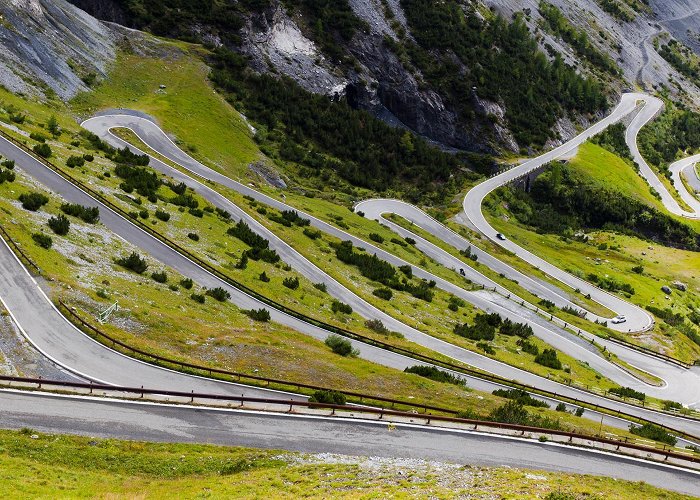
x,y
56,466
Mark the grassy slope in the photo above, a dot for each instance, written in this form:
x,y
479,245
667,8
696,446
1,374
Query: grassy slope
x,y
68,467
189,107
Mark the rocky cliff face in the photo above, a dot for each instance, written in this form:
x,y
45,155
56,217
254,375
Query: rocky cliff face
x,y
50,47
280,42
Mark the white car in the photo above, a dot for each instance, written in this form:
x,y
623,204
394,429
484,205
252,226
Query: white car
x,y
618,319
500,236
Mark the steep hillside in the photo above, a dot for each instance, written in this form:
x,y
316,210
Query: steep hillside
x,y
49,47
437,68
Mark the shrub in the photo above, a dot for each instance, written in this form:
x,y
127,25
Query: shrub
x,y
43,150
196,212
383,293
87,214
522,397
376,325
258,314
407,270
219,294
628,392
672,405
399,242
651,431
547,304
160,277
528,347
340,345
561,407
410,240
75,161
143,214
186,283
513,412
436,374
9,164
338,306
242,262
579,411
38,137
328,397
133,262
548,358
263,277
88,157
223,213
197,297
59,225
43,240
162,215
314,234
291,283
455,303
193,236
321,286
638,269
376,237
33,201
486,348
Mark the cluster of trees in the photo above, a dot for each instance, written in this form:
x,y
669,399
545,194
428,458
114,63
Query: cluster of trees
x,y
259,246
578,39
654,432
328,136
610,284
548,358
617,9
680,58
143,180
376,269
502,60
341,345
560,202
671,134
613,139
436,374
91,215
628,392
520,396
33,201
133,262
288,218
485,326
7,174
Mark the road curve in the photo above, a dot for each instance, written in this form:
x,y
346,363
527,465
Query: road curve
x,y
652,106
637,318
169,423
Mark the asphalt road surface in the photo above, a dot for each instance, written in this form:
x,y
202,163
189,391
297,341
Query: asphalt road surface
x,y
163,423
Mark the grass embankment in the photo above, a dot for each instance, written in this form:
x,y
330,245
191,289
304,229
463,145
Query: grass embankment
x,y
56,466
189,107
609,254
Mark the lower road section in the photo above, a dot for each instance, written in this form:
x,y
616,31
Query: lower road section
x,y
163,423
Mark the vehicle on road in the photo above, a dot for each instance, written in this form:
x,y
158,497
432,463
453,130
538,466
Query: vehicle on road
x,y
618,319
500,236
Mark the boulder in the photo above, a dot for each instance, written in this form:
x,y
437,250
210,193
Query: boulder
x,y
680,286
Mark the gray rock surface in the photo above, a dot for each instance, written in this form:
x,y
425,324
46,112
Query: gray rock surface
x,y
49,46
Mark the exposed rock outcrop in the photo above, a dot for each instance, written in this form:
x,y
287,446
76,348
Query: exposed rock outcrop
x,y
51,47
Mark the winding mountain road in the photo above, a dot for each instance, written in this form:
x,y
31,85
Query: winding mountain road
x,y
676,379
54,336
